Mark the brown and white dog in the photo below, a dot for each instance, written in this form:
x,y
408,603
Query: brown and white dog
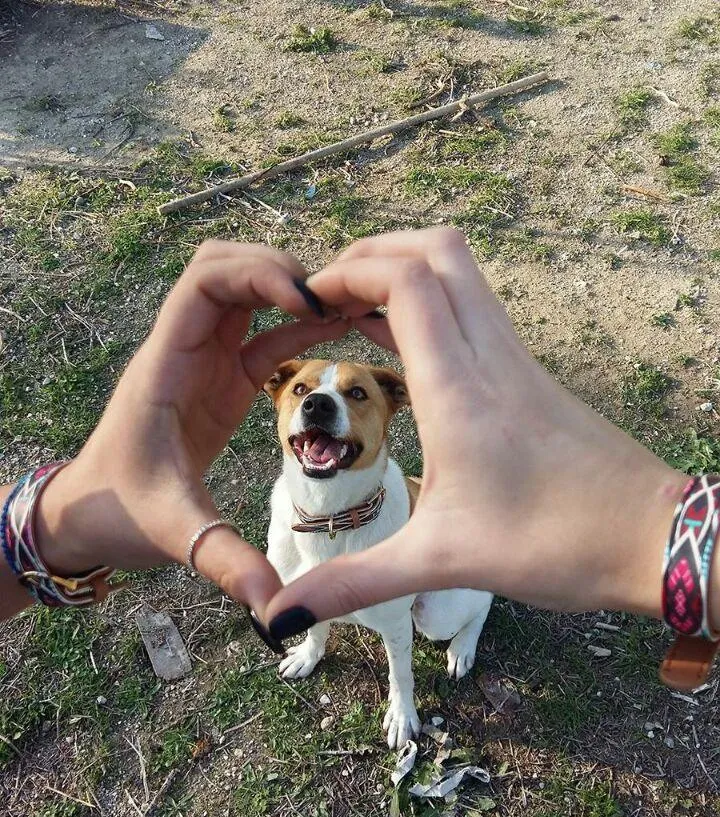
x,y
340,492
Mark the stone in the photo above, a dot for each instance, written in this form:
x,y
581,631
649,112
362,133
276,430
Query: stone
x,y
164,644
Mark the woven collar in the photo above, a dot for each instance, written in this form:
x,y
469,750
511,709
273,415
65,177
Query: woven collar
x,y
352,519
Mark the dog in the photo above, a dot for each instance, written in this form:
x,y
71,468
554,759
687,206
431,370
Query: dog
x,y
340,492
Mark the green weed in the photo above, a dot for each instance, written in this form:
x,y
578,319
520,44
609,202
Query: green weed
x,y
222,119
664,320
288,119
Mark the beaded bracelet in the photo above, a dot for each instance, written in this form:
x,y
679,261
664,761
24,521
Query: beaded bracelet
x,y
686,583
19,545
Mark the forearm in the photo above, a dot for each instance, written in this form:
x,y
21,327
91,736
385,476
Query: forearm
x,y
13,596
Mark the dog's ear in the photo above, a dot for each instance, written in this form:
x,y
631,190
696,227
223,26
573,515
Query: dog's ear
x,y
285,372
393,387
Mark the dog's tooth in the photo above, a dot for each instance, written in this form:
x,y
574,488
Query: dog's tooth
x,y
344,450
306,447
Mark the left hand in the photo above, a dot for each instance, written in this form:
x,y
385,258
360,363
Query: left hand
x,y
135,495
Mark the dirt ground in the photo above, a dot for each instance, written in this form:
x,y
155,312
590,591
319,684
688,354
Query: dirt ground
x,y
593,205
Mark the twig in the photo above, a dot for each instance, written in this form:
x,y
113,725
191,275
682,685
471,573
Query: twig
x,y
244,723
141,761
641,191
70,797
354,141
665,97
133,803
161,792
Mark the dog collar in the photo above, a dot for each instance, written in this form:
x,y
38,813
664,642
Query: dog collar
x,y
352,519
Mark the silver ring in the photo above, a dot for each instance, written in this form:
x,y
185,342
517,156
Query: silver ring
x,y
198,535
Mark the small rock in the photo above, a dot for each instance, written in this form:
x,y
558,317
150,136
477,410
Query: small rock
x,y
102,700
599,652
151,33
327,722
325,700
706,407
670,743
651,734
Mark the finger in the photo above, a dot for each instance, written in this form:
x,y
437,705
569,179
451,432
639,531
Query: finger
x,y
339,586
422,322
261,356
244,573
478,312
250,277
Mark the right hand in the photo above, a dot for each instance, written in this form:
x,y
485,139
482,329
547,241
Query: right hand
x,y
527,492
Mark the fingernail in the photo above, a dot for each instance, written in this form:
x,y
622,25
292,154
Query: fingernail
x,y
274,644
311,299
376,314
291,622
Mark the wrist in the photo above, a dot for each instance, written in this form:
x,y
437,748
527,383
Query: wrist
x,y
637,584
62,537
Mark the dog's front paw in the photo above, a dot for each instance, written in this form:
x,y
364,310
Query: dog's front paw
x,y
300,661
401,723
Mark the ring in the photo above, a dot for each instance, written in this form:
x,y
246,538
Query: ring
x,y
198,535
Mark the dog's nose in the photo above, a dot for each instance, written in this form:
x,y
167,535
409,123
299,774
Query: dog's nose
x,y
319,408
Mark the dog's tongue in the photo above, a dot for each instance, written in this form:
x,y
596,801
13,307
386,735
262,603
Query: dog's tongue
x,y
325,448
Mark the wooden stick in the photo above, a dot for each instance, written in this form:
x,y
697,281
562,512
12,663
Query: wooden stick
x,y
347,144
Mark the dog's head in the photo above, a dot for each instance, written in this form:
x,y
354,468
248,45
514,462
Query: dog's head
x,y
334,416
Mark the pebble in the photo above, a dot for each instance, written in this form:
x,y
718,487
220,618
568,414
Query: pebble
x,y
102,700
151,33
325,700
599,652
670,743
706,407
327,722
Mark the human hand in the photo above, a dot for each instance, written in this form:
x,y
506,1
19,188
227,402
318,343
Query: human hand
x,y
526,491
134,495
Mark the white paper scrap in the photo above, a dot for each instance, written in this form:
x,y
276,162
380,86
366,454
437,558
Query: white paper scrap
x,y
405,761
449,781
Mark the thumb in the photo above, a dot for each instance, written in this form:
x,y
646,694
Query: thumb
x,y
341,585
241,570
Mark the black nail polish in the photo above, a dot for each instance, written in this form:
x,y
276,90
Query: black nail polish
x,y
274,644
291,622
376,314
311,299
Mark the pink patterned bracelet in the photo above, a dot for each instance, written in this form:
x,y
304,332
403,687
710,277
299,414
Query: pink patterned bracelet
x,y
688,559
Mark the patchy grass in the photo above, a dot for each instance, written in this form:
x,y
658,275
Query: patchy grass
x,y
644,390
87,263
676,141
642,224
632,106
312,41
705,29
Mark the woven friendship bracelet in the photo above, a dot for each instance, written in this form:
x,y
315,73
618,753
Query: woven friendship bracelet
x,y
19,546
688,559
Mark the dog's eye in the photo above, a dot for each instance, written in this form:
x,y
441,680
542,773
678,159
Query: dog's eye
x,y
300,388
358,394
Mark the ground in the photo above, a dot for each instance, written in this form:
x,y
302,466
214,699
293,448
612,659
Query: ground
x,y
592,203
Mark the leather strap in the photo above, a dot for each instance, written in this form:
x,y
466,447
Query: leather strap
x,y
688,662
352,519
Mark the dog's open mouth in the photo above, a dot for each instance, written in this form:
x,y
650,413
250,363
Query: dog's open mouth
x,y
322,455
